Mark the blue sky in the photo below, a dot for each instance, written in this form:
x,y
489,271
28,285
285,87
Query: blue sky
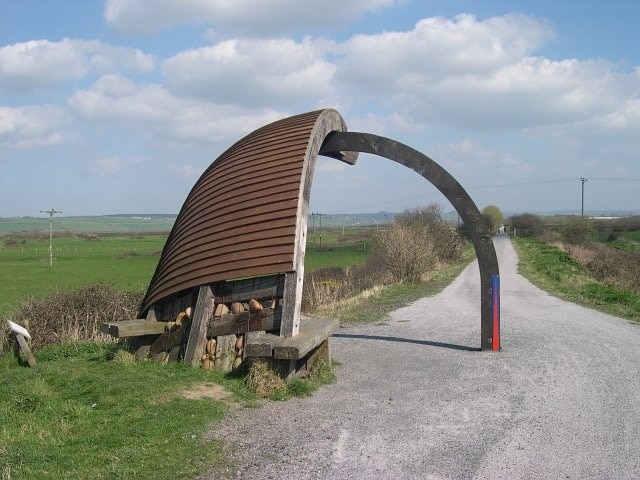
x,y
119,106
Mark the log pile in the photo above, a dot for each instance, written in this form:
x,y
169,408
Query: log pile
x,y
226,331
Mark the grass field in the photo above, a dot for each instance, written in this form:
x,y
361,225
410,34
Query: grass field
x,y
101,224
125,262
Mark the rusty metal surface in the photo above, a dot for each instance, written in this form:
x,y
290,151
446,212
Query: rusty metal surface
x,y
455,193
240,218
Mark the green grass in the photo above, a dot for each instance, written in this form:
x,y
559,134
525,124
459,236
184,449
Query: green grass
x,y
124,262
376,308
554,271
96,224
81,415
314,260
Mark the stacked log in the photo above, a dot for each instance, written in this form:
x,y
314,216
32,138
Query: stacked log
x,y
225,332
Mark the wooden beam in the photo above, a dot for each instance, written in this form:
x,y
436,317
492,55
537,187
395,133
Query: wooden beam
x,y
243,322
198,336
25,349
133,328
167,341
313,332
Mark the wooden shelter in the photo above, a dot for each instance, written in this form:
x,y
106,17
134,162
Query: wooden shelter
x,y
229,281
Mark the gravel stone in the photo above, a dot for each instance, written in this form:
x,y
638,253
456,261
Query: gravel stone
x,y
415,399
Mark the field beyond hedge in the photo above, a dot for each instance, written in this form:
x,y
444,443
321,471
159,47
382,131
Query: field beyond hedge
x,y
128,262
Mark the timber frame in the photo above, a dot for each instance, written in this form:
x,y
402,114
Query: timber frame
x,y
240,239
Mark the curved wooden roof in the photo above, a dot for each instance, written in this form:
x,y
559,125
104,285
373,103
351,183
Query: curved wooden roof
x,y
246,215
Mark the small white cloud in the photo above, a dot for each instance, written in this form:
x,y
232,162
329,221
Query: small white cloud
x,y
106,167
330,165
31,126
156,113
41,63
253,72
186,171
467,156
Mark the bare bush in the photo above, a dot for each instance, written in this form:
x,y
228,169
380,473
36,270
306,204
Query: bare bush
x,y
416,242
578,230
76,315
526,224
609,265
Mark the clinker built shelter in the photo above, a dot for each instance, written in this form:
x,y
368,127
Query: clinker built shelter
x,y
233,265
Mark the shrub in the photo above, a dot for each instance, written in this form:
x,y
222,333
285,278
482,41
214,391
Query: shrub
x,y
417,241
526,224
577,231
75,315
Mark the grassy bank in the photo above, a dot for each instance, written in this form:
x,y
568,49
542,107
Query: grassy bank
x,y
376,304
89,411
554,271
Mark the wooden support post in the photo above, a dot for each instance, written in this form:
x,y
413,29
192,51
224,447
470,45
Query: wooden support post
x,y
291,302
198,337
21,334
25,349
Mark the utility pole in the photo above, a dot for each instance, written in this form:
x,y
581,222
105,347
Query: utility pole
x,y
51,213
582,179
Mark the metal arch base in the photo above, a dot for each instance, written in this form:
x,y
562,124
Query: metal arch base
x,y
337,144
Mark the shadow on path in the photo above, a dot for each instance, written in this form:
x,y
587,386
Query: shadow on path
x,y
430,343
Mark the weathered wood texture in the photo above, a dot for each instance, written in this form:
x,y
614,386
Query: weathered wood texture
x,y
243,322
133,328
24,346
313,331
198,335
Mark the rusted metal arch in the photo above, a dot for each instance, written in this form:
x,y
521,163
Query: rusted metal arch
x,y
339,143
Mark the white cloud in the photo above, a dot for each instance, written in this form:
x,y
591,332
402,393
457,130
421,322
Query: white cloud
x,y
468,155
106,167
482,74
255,16
41,63
253,72
438,48
157,113
30,126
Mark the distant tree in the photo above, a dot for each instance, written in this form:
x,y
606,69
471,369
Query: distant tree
x,y
526,224
493,217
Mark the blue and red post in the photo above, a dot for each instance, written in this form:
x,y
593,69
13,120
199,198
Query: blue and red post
x,y
495,310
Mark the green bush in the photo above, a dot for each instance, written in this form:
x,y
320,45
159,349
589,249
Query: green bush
x,y
577,231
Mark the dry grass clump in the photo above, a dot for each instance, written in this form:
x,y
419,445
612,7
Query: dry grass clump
x,y
263,379
75,315
417,243
609,265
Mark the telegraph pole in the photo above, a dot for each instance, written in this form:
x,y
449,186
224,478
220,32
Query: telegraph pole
x,y
582,179
51,213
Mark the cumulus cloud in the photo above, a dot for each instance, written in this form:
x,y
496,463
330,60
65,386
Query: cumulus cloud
x,y
30,126
255,16
41,63
471,73
253,72
153,109
470,155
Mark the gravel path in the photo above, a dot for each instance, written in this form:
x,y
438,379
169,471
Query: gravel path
x,y
414,399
